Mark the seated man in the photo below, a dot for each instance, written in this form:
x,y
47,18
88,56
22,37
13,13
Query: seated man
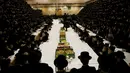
x,y
60,62
84,58
120,66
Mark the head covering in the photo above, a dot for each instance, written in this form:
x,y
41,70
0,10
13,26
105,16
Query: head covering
x,y
60,62
106,44
120,54
112,48
84,54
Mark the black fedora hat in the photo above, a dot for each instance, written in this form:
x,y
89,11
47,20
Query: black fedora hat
x,y
120,54
112,48
84,54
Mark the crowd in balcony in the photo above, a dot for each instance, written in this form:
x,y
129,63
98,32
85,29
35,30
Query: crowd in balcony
x,y
107,18
109,60
18,22
110,20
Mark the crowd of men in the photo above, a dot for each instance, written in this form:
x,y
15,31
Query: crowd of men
x,y
109,60
18,22
109,19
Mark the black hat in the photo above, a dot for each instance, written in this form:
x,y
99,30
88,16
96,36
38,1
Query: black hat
x,y
120,54
112,48
106,44
84,54
60,62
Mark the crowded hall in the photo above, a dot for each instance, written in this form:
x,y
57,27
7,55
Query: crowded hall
x,y
64,36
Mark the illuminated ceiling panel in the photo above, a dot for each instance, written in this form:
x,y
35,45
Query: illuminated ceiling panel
x,y
51,7
59,1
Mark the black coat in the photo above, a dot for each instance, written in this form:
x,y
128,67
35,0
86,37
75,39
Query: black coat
x,y
120,67
87,69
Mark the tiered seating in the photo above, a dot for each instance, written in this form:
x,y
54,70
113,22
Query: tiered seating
x,y
109,61
18,21
109,19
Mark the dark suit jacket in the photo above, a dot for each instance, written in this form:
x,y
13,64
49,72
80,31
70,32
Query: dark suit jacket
x,y
87,69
